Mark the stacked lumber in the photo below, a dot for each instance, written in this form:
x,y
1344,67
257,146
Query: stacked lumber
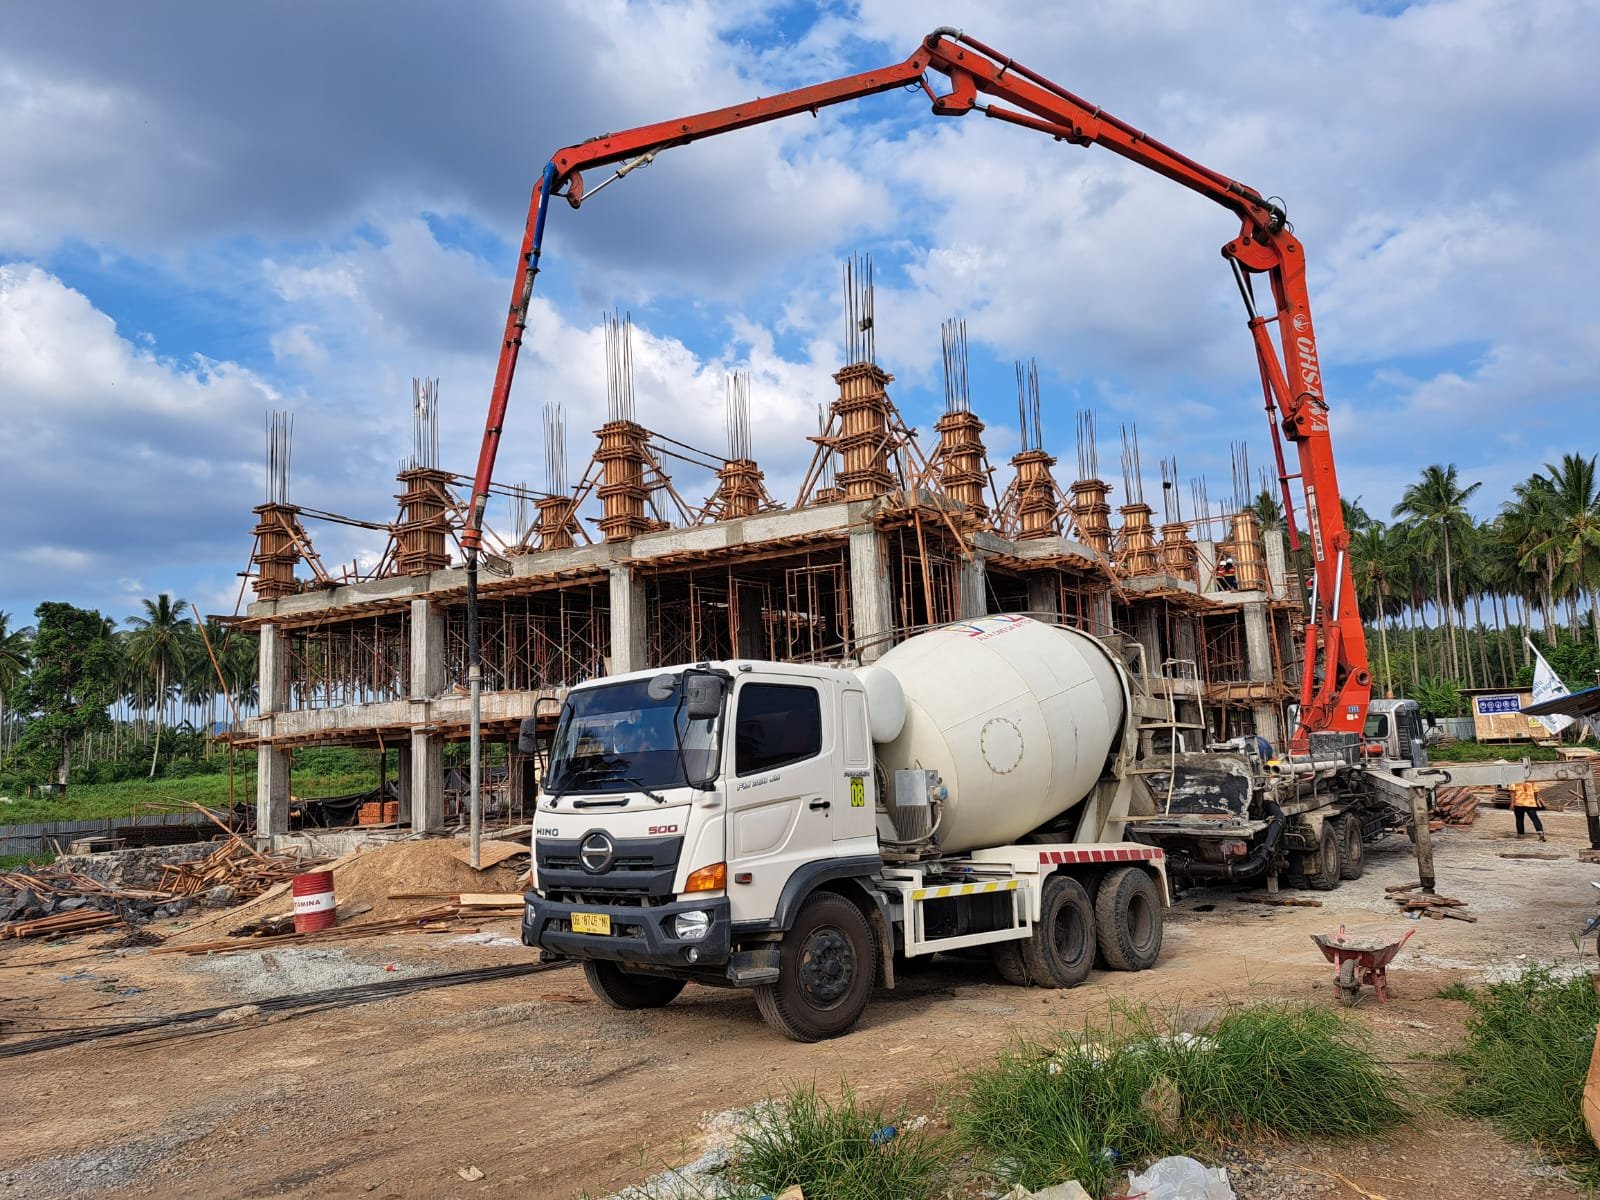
x,y
47,900
1454,806
235,865
1411,898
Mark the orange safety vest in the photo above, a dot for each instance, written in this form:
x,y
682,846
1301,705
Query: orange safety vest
x,y
1524,795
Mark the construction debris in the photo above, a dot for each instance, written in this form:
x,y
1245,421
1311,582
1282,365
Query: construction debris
x,y
241,870
1279,901
1413,900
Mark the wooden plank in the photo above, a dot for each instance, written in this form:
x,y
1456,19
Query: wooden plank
x,y
490,854
491,900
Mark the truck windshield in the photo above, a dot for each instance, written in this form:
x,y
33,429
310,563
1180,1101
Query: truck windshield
x,y
616,738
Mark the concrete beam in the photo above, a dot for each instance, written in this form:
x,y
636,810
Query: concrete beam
x,y
871,606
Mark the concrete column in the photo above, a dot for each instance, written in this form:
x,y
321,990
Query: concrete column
x,y
1206,564
272,765
1258,665
629,647
974,598
870,602
426,760
1277,563
752,642
1044,593
403,782
1147,628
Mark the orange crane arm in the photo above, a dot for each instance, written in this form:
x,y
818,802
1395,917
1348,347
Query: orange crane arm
x,y
1336,684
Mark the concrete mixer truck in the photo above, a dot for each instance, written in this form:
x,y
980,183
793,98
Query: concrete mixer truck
x,y
798,830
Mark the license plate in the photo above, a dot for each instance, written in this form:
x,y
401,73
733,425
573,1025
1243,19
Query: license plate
x,y
591,923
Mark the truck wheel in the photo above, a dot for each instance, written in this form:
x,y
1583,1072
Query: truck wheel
x,y
1352,851
1127,920
1061,951
1009,966
826,966
1323,862
627,990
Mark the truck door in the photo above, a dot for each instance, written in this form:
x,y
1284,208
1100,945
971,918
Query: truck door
x,y
781,791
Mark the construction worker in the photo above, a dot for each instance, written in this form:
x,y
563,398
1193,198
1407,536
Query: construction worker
x,y
1525,800
1227,574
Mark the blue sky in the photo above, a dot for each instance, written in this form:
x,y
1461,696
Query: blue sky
x,y
208,212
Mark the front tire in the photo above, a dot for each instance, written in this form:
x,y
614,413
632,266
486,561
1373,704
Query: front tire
x,y
1128,920
826,966
1008,964
627,990
1061,951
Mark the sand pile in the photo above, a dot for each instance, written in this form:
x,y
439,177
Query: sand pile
x,y
368,876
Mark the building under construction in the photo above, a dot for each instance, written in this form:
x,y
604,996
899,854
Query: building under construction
x,y
618,571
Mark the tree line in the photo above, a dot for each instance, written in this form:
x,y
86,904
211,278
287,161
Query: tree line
x,y
79,689
1450,601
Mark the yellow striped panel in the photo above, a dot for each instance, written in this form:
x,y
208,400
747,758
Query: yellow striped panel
x,y
964,889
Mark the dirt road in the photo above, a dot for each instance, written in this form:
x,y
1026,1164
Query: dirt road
x,y
549,1094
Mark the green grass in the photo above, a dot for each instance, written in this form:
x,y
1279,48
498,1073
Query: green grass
x,y
37,858
91,801
1481,752
1525,1061
1087,1103
1454,991
835,1151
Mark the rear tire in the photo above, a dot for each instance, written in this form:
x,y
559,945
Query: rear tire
x,y
627,990
1352,850
1128,920
1061,951
827,964
1322,874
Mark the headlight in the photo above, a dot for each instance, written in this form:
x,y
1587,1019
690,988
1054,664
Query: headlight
x,y
691,926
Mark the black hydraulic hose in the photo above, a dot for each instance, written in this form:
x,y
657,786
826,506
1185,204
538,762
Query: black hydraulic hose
x,y
1245,867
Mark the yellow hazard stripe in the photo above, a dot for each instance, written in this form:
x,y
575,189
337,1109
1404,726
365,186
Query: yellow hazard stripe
x,y
964,889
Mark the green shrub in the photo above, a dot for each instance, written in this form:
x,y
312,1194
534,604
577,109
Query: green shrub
x,y
835,1151
1083,1105
1525,1061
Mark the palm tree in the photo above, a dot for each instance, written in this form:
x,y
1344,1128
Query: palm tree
x,y
13,663
158,646
1372,569
1436,503
1573,542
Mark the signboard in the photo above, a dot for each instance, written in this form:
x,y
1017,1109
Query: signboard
x,y
1497,717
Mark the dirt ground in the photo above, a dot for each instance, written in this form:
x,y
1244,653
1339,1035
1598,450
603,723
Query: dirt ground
x,y
551,1095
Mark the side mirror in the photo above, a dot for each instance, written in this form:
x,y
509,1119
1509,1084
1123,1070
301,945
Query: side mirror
x,y
528,736
702,696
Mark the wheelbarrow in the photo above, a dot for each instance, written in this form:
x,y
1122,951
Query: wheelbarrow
x,y
1359,959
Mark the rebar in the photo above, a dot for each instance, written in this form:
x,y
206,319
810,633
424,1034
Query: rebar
x,y
1132,468
280,436
424,426
1171,497
1088,448
555,449
860,333
1240,454
957,394
619,366
738,416
1031,427
826,480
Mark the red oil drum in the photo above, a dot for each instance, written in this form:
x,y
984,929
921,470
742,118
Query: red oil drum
x,y
314,904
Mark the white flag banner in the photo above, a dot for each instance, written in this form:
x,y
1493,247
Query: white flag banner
x,y
1547,685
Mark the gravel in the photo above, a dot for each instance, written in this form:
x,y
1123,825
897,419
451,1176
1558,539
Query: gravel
x,y
93,1171
292,971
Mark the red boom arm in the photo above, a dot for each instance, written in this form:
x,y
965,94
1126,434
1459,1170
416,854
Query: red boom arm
x,y
1337,684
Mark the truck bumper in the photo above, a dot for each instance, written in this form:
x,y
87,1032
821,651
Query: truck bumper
x,y
641,936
